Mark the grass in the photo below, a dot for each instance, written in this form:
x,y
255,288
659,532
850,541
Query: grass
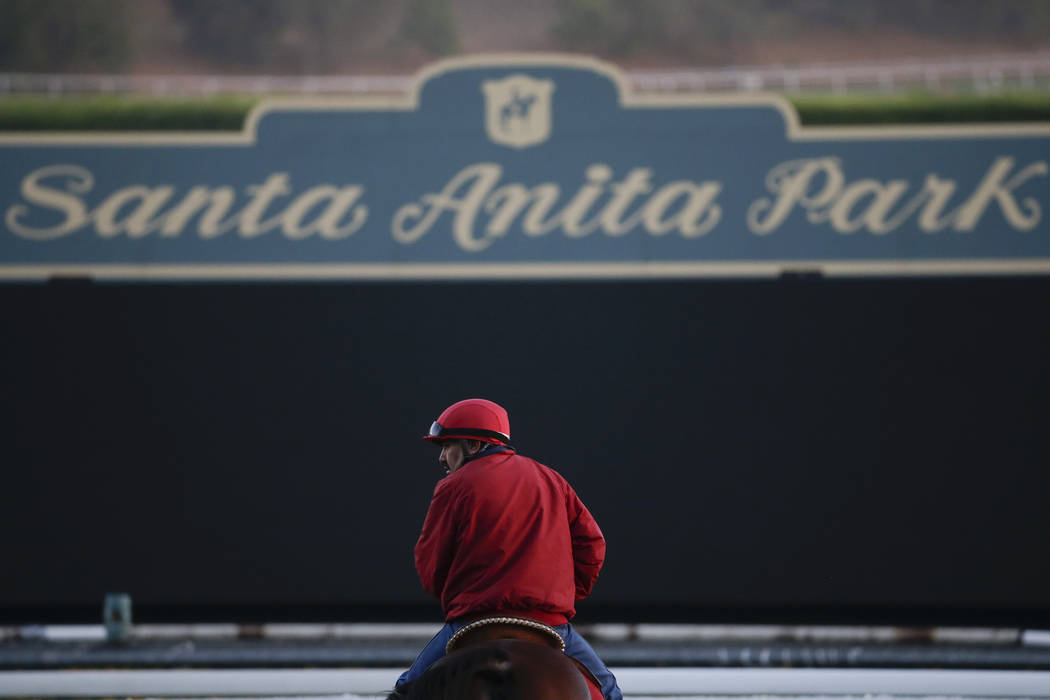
x,y
227,113
115,113
921,108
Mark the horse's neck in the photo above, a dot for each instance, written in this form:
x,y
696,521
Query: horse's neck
x,y
501,631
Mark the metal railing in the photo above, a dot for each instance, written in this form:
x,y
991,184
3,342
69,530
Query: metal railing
x,y
981,74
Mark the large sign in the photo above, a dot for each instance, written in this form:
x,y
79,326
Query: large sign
x,y
530,167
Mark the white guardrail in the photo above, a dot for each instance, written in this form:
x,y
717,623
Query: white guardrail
x,y
606,632
636,683
982,74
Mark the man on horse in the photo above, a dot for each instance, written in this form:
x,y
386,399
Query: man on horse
x,y
506,540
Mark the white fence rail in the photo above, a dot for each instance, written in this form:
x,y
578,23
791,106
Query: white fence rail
x,y
637,683
982,74
985,74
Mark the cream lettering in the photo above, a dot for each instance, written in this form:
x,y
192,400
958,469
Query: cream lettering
x,y
792,183
328,211
480,204
483,209
337,202
509,201
277,185
218,200
697,215
881,196
819,187
936,195
1023,216
625,194
478,180
144,203
75,180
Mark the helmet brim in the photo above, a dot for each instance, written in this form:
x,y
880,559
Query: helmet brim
x,y
453,435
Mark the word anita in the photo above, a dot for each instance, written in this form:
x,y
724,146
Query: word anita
x,y
613,208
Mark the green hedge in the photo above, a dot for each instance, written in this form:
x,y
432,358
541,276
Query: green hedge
x,y
227,113
923,109
123,114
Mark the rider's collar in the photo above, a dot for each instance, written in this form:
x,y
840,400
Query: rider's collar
x,y
488,450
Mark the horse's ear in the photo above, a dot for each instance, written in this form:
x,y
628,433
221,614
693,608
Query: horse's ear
x,y
495,677
496,669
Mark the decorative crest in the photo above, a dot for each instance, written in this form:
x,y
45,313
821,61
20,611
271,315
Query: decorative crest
x,y
518,110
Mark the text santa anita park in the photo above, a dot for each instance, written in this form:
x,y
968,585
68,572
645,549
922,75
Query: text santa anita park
x,y
484,207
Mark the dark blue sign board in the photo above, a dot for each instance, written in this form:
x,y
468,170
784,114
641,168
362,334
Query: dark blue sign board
x,y
526,167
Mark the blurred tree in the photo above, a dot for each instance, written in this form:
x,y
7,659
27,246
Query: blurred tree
x,y
58,35
332,30
967,19
307,35
691,28
608,26
241,33
316,36
432,25
686,28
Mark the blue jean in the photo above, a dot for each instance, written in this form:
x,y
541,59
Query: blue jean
x,y
575,646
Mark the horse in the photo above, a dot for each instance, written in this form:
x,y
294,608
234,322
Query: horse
x,y
517,108
503,659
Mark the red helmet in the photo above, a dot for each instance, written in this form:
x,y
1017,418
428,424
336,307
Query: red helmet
x,y
473,419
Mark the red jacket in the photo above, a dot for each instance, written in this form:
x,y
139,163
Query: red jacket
x,y
506,535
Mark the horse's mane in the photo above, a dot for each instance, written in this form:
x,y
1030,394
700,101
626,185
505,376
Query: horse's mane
x,y
454,676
